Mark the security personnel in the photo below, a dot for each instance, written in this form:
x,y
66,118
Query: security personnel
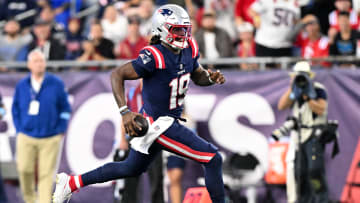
x,y
308,101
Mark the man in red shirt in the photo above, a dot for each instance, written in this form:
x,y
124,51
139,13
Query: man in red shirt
x,y
312,43
133,43
241,11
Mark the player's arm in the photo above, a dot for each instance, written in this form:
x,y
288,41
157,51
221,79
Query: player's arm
x,y
204,77
118,76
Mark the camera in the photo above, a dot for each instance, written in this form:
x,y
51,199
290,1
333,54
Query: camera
x,y
302,80
289,124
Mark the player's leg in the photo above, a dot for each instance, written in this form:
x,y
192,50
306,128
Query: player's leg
x,y
135,164
180,140
175,169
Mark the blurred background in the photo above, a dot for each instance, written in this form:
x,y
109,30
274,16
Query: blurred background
x,y
254,42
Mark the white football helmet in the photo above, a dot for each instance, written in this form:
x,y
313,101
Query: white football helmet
x,y
172,23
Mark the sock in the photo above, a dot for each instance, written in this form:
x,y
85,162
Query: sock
x,y
75,183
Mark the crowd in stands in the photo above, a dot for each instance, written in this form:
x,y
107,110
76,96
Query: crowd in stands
x,y
222,28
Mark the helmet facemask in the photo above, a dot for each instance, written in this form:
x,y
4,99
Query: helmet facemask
x,y
178,35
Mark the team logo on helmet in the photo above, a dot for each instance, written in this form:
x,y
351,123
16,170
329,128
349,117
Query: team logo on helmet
x,y
165,12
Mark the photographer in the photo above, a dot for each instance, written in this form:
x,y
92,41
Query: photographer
x,y
308,101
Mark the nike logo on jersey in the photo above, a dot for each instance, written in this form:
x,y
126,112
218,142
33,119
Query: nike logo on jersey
x,y
145,58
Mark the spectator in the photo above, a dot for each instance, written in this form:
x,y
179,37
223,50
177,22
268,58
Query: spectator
x,y
213,42
242,11
275,20
73,40
224,10
146,10
40,113
44,41
246,48
312,43
11,8
63,9
114,25
97,47
57,29
345,42
134,42
12,41
341,5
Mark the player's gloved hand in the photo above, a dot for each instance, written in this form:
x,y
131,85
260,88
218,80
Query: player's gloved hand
x,y
217,77
129,123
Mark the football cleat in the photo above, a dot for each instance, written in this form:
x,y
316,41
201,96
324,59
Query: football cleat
x,y
62,189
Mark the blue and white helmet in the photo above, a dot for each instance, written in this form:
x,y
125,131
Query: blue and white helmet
x,y
172,23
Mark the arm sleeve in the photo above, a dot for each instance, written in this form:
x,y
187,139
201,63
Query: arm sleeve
x,y
64,108
144,65
15,110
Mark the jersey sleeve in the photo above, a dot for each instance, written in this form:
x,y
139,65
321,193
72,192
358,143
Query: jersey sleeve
x,y
144,65
195,54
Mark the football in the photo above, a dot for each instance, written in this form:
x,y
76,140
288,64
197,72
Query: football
x,y
142,122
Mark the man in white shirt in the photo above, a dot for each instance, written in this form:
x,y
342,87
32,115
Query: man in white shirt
x,y
274,21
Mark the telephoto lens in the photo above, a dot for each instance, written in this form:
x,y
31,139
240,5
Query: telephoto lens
x,y
301,81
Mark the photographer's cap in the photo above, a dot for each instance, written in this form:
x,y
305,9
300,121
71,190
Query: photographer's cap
x,y
303,67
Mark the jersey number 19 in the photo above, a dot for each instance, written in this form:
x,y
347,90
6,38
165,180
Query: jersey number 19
x,y
179,87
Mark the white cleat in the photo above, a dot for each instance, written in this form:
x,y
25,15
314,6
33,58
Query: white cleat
x,y
62,189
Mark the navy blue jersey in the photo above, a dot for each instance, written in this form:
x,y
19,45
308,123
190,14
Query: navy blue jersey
x,y
166,78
